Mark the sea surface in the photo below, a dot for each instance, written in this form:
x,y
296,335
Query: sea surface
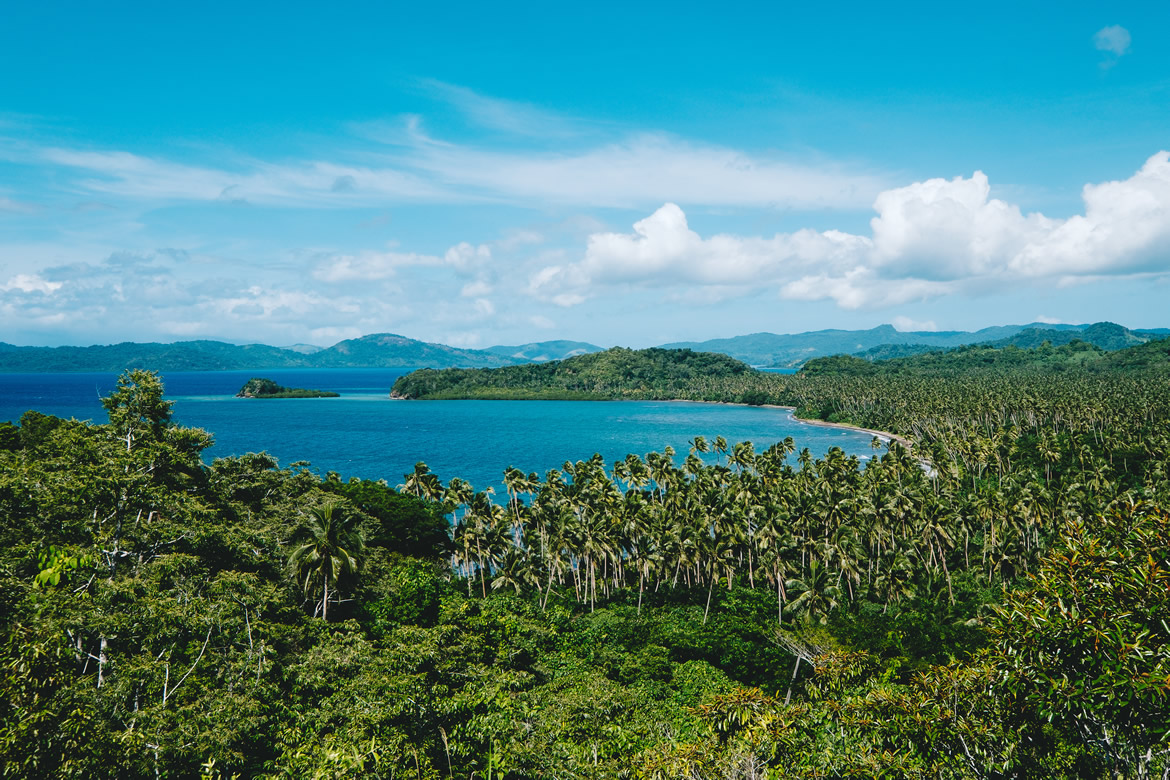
x,y
365,434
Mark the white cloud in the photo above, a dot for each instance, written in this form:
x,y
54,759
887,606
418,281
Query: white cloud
x,y
373,266
148,296
333,334
465,339
313,183
30,283
644,169
636,170
859,288
907,325
509,116
369,266
475,289
1048,320
518,238
8,204
928,239
465,257
1114,39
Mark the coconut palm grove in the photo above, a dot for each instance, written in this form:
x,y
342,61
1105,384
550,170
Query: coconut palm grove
x,y
988,596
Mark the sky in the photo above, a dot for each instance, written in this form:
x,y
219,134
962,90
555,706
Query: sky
x,y
502,173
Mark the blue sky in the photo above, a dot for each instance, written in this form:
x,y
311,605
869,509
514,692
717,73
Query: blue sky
x,y
478,174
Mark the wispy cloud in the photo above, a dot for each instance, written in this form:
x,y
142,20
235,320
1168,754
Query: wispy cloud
x,y
315,184
547,159
628,174
512,117
1114,41
650,168
372,266
15,206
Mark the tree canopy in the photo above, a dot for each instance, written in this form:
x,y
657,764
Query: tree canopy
x,y
991,602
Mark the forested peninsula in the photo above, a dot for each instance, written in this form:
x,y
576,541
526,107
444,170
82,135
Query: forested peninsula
x,y
739,610
616,373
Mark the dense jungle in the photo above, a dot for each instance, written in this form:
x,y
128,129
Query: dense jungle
x,y
990,601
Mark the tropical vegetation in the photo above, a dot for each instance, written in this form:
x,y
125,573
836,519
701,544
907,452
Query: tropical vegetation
x,y
267,388
992,602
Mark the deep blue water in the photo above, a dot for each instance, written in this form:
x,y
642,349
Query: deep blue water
x,y
365,434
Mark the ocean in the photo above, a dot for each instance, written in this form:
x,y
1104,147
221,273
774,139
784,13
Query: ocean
x,y
365,434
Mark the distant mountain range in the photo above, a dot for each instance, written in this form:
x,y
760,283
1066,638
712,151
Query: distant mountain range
x,y
795,349
543,351
380,350
388,350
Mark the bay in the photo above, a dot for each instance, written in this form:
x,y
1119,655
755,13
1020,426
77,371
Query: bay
x,y
365,434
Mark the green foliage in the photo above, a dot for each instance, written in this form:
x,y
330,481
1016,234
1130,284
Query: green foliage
x,y
614,373
327,549
412,594
56,564
35,428
266,388
642,618
137,408
396,521
1087,640
372,351
9,436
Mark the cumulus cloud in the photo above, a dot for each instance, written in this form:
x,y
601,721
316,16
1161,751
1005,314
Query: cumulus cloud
x,y
907,325
927,239
148,295
31,283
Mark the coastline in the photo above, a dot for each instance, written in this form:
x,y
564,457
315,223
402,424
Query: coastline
x,y
909,445
885,435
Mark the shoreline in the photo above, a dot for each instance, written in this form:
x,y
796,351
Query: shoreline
x,y
909,445
905,442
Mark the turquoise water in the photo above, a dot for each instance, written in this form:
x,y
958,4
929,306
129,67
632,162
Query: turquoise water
x,y
365,434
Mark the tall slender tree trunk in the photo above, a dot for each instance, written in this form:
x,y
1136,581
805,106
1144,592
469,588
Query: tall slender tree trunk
x,y
779,604
592,585
950,592
547,590
101,662
788,696
710,590
641,580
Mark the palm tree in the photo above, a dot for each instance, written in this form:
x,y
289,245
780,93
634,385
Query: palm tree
x,y
422,483
329,546
817,594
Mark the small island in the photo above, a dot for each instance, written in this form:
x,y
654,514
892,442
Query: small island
x,y
266,388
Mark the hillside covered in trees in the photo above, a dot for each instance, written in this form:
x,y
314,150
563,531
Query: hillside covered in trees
x,y
617,373
737,611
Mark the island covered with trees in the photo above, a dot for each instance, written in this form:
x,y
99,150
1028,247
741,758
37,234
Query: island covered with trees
x,y
738,610
266,388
